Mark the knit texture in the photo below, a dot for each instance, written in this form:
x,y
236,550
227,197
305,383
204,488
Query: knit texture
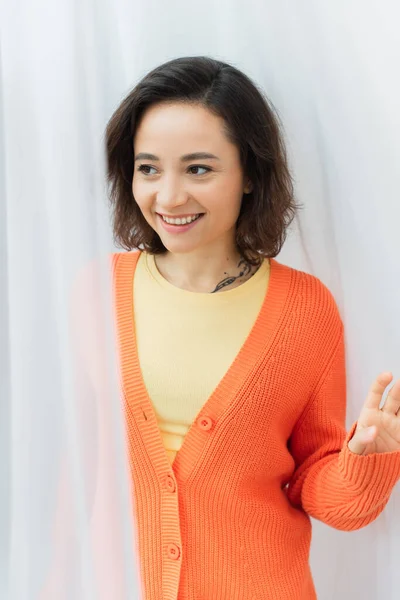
x,y
230,519
175,330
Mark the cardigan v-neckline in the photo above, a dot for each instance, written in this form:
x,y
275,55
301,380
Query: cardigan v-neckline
x,y
211,415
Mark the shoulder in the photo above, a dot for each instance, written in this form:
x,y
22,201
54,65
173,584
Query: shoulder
x,y
312,300
124,261
95,279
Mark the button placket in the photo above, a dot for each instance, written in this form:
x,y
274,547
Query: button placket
x,y
205,423
170,483
173,551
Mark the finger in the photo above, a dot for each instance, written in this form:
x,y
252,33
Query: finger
x,y
361,439
377,389
392,402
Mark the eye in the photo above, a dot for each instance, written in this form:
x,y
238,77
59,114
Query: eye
x,y
142,168
145,169
207,169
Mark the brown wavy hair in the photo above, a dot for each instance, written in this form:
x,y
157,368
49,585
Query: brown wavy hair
x,y
251,123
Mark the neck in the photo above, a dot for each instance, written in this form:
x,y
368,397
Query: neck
x,y
205,270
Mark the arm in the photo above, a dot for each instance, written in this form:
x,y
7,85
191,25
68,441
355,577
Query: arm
x,y
94,533
344,490
77,474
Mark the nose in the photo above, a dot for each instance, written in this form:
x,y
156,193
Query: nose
x,y
171,194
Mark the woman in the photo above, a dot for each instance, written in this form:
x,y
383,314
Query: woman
x,y
233,364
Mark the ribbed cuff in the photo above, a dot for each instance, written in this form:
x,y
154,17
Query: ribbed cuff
x,y
377,472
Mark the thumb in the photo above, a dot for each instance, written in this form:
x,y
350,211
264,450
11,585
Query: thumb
x,y
360,440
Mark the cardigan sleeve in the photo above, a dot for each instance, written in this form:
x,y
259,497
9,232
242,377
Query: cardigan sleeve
x,y
344,490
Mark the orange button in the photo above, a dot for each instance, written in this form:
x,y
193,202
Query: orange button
x,y
205,423
173,551
170,483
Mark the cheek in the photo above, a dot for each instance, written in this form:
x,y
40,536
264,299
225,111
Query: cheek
x,y
226,200
140,197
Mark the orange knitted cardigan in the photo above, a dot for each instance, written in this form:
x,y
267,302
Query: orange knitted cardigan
x,y
230,519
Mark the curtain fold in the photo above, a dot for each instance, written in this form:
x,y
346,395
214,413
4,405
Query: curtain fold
x,y
331,70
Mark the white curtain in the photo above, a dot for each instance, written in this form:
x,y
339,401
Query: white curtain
x,y
331,69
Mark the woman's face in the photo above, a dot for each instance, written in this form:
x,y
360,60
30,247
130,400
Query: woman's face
x,y
188,181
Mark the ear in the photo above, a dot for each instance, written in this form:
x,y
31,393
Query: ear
x,y
248,187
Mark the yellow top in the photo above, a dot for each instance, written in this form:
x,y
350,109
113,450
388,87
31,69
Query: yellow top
x,y
187,341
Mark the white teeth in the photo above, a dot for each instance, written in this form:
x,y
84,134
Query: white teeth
x,y
181,221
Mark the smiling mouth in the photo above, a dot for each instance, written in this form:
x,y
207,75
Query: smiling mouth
x,y
181,220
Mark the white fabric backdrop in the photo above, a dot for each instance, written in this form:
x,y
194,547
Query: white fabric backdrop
x,y
331,69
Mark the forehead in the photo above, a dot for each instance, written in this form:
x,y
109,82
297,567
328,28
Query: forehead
x,y
183,123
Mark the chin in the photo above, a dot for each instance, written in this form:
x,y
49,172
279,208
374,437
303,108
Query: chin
x,y
178,244
179,247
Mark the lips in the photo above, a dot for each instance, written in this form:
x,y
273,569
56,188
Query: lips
x,y
181,220
179,224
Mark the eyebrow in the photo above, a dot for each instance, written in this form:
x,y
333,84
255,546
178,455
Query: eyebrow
x,y
185,158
